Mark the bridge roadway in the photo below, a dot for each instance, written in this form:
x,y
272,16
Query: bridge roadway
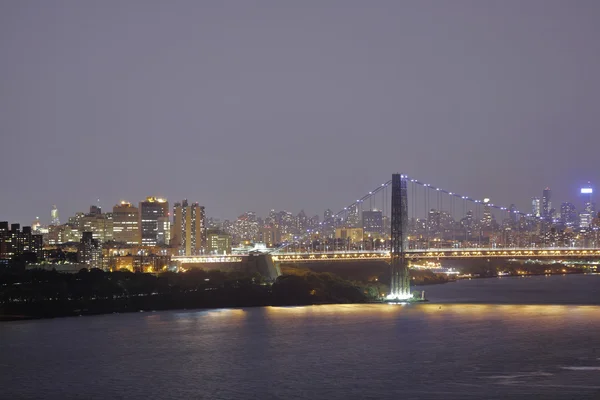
x,y
555,253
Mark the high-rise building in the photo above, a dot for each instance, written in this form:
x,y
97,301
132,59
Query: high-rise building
x,y
59,234
151,211
352,219
372,221
163,236
488,218
568,216
588,203
269,235
546,203
514,215
16,241
89,251
126,224
54,220
189,228
301,221
101,225
585,219
536,207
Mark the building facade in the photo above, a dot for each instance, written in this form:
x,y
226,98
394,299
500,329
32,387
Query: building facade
x,y
15,241
151,211
189,228
89,251
372,221
218,243
126,224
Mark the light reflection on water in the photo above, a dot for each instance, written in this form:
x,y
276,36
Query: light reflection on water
x,y
429,350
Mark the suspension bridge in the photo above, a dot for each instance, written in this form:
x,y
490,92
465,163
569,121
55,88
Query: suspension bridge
x,y
436,224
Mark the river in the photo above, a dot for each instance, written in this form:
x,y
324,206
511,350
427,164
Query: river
x,y
467,343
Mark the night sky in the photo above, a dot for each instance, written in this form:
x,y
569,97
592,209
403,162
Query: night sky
x,y
253,105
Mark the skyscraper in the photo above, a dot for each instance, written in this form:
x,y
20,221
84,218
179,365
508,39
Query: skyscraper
x,y
151,211
126,224
546,203
352,219
189,228
568,216
54,216
372,221
514,216
536,208
90,251
588,203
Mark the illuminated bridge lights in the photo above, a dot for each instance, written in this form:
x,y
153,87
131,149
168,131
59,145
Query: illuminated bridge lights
x,y
412,254
206,259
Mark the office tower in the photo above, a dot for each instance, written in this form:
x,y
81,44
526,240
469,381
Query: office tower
x,y
372,221
189,227
100,225
536,208
353,220
89,251
488,218
546,203
126,224
568,216
54,216
588,203
151,211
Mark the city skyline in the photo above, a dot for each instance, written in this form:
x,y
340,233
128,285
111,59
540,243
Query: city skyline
x,y
207,101
578,200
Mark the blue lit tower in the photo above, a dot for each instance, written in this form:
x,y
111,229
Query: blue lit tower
x,y
400,280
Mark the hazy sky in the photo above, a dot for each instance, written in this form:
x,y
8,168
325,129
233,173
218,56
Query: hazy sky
x,y
253,105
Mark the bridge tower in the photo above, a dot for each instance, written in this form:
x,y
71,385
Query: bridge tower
x,y
400,283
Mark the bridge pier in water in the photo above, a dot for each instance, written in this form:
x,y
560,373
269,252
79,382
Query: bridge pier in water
x,y
400,278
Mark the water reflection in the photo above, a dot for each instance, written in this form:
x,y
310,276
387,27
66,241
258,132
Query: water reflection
x,y
449,350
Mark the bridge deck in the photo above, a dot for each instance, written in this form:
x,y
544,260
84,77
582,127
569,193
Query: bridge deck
x,y
414,254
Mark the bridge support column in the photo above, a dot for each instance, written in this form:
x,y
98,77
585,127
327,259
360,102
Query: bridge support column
x,y
400,282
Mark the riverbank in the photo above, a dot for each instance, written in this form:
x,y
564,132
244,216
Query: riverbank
x,y
49,294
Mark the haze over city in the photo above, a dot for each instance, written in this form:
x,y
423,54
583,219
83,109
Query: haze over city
x,y
252,106
341,199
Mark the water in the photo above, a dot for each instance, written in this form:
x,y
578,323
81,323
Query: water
x,y
424,351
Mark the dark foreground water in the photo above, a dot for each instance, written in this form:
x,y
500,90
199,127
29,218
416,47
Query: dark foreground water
x,y
424,351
